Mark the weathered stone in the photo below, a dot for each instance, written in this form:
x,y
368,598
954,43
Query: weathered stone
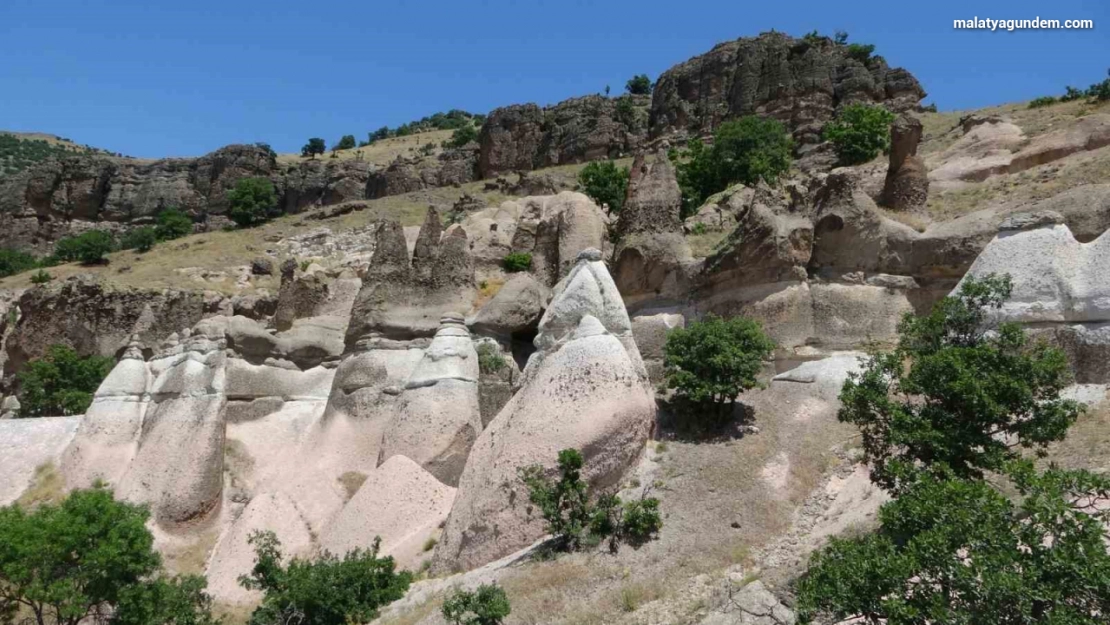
x,y
907,179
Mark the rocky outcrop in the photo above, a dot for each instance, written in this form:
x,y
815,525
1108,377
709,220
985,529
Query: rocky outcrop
x,y
517,307
907,180
800,82
523,137
585,388
404,175
323,183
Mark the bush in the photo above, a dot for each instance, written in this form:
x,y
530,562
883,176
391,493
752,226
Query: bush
x,y
314,146
15,261
141,239
172,224
745,150
489,358
41,277
859,51
1037,103
860,132
488,605
325,591
638,85
253,201
712,361
89,248
625,113
91,556
462,136
605,183
517,261
60,383
345,143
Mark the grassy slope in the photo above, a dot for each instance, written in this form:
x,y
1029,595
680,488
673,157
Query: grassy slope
x,y
381,152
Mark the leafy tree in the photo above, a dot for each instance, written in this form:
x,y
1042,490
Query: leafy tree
x,y
605,183
346,142
745,150
142,239
639,84
860,132
840,37
714,360
970,397
634,522
60,383
325,591
172,224
517,261
314,146
625,113
91,557
89,247
379,134
462,136
15,261
488,605
253,201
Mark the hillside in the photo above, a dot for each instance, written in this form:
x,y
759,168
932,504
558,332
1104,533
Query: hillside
x,y
21,150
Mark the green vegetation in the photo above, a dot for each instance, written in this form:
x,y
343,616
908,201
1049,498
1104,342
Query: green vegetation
x,y
489,358
626,113
860,132
19,153
860,51
488,605
253,201
710,362
462,136
1099,92
15,261
575,523
41,277
60,383
1042,101
88,557
89,248
605,183
172,224
639,84
745,150
454,119
346,142
944,416
314,146
142,239
325,591
517,261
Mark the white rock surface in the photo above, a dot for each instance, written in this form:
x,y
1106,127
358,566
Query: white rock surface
x,y
25,445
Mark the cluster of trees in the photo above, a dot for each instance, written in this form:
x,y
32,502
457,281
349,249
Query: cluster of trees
x,y
61,383
605,183
1098,92
451,120
19,153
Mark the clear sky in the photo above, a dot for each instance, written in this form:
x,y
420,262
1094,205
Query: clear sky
x,y
158,78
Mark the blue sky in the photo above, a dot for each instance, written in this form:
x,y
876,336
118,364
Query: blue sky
x,y
157,78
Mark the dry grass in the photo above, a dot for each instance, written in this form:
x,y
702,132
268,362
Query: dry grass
x,y
1087,445
191,558
703,245
381,152
913,220
352,481
47,487
487,289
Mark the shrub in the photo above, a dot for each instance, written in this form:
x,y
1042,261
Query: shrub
x,y
488,605
60,383
91,556
325,591
1047,100
15,261
860,132
712,361
314,146
427,149
634,522
745,150
252,201
89,248
489,358
638,85
41,277
605,183
859,51
625,113
141,239
462,136
517,261
345,143
172,224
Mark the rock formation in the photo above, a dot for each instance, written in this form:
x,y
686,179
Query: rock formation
x,y
452,167
907,179
585,388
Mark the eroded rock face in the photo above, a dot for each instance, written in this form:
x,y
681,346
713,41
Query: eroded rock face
x,y
585,388
404,175
798,82
907,179
517,307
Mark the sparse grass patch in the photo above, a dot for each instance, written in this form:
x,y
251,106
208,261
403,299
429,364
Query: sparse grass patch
x,y
430,543
352,481
913,220
47,487
703,245
636,594
487,289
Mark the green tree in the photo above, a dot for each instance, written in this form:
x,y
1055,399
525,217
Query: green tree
x,y
325,591
860,132
172,224
252,201
462,136
89,248
488,605
60,383
142,239
745,150
714,360
346,142
15,261
91,557
605,183
639,84
970,397
517,261
314,146
859,51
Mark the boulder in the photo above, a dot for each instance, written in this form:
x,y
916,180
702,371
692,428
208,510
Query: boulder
x,y
554,229
516,307
907,179
585,388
